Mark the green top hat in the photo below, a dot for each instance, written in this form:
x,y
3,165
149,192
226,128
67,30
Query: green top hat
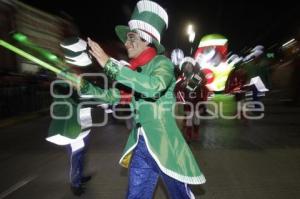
x,y
149,20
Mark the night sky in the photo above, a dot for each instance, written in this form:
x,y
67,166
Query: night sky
x,y
245,24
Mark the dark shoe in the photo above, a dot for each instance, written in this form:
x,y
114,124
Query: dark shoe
x,y
77,191
85,179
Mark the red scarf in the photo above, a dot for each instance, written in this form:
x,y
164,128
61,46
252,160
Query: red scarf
x,y
145,57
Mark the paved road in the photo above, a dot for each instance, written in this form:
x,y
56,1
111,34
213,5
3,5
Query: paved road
x,y
240,159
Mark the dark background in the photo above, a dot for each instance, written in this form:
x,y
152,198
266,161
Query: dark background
x,y
244,23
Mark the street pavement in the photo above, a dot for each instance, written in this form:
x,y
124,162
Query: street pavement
x,y
241,159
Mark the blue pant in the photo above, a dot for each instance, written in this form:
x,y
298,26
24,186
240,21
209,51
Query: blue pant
x,y
76,164
144,173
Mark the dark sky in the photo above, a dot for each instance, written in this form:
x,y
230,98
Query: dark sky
x,y
244,23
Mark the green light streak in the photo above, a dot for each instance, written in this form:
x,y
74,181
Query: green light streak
x,y
23,39
20,37
52,57
68,76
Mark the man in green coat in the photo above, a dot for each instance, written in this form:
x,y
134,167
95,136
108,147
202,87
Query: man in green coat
x,y
155,146
70,126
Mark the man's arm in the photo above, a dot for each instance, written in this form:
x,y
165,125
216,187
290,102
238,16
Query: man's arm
x,y
88,90
148,85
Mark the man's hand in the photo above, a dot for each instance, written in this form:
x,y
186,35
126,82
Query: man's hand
x,y
98,52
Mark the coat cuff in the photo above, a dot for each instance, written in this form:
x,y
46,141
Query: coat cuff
x,y
84,87
112,68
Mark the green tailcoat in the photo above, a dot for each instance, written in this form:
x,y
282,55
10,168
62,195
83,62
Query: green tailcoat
x,y
65,120
67,124
153,110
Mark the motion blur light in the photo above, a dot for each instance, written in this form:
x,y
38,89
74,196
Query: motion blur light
x,y
189,29
289,42
18,51
20,37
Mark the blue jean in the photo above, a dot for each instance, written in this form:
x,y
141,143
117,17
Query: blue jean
x,y
77,164
144,173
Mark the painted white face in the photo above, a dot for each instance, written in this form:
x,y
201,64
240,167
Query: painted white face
x,y
135,45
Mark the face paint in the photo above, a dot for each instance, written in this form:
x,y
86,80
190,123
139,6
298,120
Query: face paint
x,y
134,45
